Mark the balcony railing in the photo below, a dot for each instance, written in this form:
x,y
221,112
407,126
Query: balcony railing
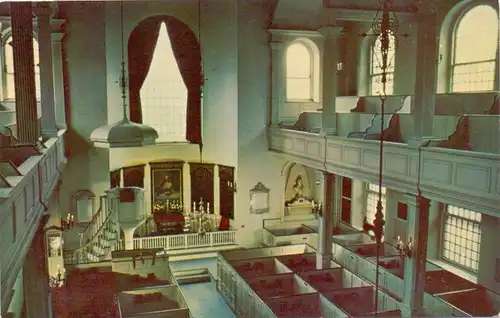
x,y
186,241
21,207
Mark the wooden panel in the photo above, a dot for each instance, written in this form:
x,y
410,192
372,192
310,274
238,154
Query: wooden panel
x,y
226,191
133,176
115,177
202,183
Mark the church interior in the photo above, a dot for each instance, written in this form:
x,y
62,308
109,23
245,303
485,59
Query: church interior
x,y
249,158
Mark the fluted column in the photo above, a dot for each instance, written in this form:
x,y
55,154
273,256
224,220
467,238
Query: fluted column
x,y
57,70
426,75
329,77
414,264
48,121
278,80
324,254
24,69
216,207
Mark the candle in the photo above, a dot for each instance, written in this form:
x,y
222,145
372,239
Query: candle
x,y
208,206
194,206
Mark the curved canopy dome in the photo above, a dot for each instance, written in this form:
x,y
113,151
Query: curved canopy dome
x,y
124,134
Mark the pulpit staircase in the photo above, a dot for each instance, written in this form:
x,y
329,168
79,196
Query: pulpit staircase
x,y
100,237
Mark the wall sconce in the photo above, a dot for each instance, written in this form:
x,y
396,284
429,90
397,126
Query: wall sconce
x,y
57,281
317,209
404,249
232,185
340,67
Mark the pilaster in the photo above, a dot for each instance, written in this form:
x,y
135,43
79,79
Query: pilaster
x,y
216,208
24,81
329,78
426,74
57,71
48,120
278,80
324,254
415,262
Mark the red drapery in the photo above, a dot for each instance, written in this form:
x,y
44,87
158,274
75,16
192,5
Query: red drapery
x,y
187,52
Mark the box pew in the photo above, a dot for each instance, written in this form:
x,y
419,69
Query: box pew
x,y
299,262
280,285
258,267
476,303
159,301
361,300
466,103
305,305
324,280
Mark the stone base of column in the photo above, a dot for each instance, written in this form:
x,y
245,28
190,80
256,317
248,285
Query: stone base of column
x,y
406,312
323,261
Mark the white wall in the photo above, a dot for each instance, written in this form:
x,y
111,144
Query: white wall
x,y
255,163
87,168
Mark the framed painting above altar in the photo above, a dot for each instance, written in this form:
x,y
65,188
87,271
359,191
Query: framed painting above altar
x,y
166,186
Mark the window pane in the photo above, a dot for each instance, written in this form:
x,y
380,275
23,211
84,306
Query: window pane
x,y
473,77
462,237
376,57
164,94
298,89
298,61
477,35
9,65
376,84
371,202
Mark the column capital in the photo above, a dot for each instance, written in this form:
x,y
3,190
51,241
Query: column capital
x,y
56,25
330,32
277,46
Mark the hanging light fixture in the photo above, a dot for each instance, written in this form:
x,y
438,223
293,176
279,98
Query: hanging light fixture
x,y
125,133
385,27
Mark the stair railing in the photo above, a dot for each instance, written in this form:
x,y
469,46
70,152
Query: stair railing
x,y
96,222
81,254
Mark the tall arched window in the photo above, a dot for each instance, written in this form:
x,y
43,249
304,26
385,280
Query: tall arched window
x,y
164,94
299,72
376,70
9,68
475,49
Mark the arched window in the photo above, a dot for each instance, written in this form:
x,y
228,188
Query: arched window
x,y
299,72
475,49
164,94
376,69
9,68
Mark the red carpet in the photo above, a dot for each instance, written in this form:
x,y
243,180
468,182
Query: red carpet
x,y
86,293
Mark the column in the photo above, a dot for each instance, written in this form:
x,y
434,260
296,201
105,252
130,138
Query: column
x,y
329,77
24,68
35,277
278,80
425,75
216,208
414,266
324,255
48,121
57,73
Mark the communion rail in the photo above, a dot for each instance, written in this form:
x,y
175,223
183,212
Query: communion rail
x,y
186,241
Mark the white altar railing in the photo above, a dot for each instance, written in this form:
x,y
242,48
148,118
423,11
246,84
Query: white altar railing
x,y
186,241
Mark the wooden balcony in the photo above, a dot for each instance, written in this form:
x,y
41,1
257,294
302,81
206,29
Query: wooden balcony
x,y
23,202
448,175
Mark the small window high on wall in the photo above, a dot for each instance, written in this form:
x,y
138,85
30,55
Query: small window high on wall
x,y
10,90
462,237
475,49
371,202
376,70
299,71
164,93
